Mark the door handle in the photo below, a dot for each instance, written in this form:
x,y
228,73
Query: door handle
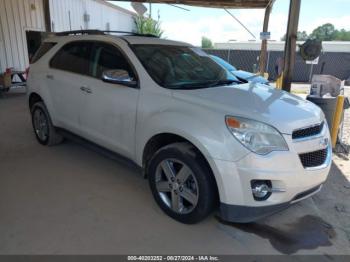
x,y
50,77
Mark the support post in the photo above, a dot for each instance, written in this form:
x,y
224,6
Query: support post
x,y
263,52
290,46
47,16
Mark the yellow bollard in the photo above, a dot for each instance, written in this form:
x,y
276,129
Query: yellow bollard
x,y
279,82
336,119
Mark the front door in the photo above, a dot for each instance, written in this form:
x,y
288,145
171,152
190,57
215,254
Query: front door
x,y
109,114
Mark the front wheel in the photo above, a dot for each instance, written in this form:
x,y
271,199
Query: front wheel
x,y
182,183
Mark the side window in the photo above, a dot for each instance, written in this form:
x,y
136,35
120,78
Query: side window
x,y
44,48
73,57
108,57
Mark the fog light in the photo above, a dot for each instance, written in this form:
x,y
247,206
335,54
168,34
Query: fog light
x,y
261,189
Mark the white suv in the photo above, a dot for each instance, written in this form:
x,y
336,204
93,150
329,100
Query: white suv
x,y
204,139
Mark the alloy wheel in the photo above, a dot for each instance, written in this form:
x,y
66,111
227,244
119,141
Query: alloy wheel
x,y
177,186
41,125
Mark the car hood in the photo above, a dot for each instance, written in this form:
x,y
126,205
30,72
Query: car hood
x,y
249,77
284,111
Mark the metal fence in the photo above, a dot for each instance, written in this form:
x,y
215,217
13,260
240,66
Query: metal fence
x,y
330,63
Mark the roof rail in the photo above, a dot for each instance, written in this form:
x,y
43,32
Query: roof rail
x,y
99,32
80,32
129,33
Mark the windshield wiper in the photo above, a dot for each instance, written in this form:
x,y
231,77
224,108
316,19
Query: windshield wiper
x,y
225,82
189,85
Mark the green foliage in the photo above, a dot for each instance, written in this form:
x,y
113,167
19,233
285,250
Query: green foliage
x,y
326,32
207,43
342,35
301,36
146,25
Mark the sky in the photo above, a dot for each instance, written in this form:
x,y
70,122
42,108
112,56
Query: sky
x,y
216,24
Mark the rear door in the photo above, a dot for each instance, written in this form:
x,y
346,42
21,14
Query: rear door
x,y
109,114
67,78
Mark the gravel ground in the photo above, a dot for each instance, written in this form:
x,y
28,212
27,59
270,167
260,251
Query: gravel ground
x,y
342,161
346,137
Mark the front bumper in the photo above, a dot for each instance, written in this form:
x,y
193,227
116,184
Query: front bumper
x,y
246,214
290,179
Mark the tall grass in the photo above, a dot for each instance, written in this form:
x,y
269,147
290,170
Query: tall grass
x,y
146,25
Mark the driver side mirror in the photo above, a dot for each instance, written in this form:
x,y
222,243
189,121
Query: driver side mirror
x,y
118,76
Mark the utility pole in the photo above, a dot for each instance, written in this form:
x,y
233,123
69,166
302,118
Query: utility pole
x,y
291,42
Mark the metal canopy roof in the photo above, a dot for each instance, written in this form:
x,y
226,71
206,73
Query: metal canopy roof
x,y
213,4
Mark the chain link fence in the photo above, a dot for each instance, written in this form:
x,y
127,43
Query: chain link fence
x,y
330,63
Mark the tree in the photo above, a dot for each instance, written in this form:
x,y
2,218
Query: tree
x,y
301,36
342,35
207,43
326,32
146,25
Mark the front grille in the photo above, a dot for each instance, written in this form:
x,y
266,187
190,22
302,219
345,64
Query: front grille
x,y
307,132
314,159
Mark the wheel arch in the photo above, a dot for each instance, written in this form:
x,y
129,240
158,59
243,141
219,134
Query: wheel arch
x,y
161,140
34,98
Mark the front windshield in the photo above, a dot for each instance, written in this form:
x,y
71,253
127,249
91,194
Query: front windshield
x,y
182,67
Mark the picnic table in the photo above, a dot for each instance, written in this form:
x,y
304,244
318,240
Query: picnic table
x,y
18,79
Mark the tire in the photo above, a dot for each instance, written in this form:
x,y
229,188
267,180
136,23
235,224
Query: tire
x,y
188,196
44,130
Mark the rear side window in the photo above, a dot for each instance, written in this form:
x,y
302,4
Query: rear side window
x,y
73,57
44,48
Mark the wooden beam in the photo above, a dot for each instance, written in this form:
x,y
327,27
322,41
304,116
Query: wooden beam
x,y
290,46
263,52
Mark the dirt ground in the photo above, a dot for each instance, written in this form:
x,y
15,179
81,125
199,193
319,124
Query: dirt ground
x,y
71,200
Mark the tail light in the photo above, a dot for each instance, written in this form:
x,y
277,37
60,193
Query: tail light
x,y
26,73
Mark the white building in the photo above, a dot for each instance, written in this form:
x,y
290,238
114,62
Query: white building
x,y
22,23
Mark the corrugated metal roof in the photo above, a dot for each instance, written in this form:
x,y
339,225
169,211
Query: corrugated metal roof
x,y
213,4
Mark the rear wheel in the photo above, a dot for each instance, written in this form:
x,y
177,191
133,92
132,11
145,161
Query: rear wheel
x,y
181,183
44,130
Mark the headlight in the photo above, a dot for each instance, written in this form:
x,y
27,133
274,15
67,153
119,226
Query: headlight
x,y
258,137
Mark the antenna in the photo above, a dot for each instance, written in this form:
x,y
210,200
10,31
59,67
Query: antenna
x,y
180,7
